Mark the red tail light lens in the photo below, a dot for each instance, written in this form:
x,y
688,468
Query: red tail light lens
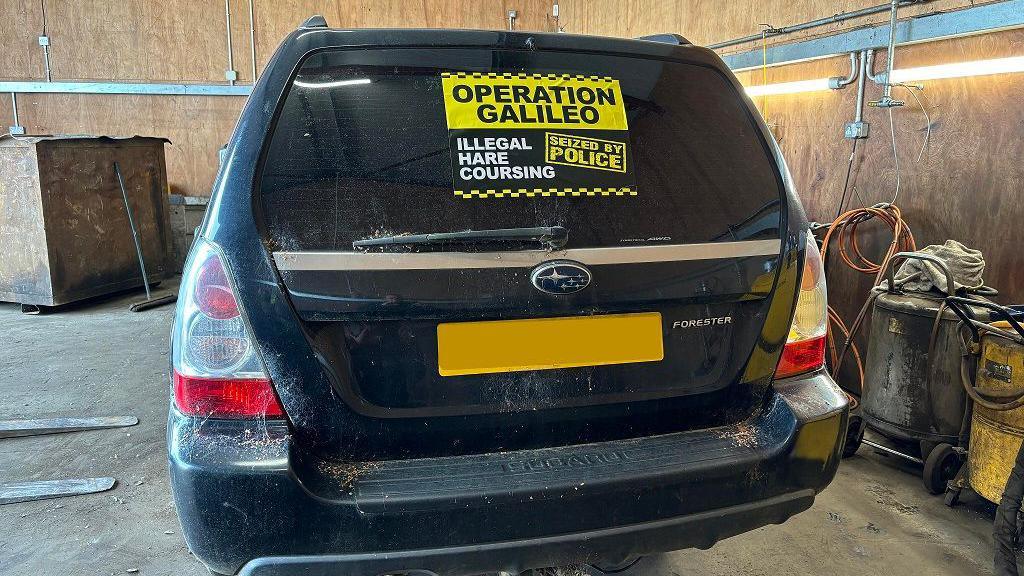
x,y
801,356
213,291
218,372
805,348
226,398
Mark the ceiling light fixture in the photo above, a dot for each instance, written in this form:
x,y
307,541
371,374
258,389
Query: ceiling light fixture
x,y
956,70
815,85
334,84
959,69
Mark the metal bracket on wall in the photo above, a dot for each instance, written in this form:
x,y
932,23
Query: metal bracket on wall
x,y
993,17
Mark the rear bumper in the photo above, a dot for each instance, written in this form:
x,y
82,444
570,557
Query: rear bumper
x,y
248,501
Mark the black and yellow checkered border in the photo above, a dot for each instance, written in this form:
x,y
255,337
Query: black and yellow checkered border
x,y
524,76
544,192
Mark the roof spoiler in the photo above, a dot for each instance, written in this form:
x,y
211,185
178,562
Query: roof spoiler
x,y
314,21
666,39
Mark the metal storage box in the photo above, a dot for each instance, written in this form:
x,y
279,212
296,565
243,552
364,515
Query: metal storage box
x,y
64,232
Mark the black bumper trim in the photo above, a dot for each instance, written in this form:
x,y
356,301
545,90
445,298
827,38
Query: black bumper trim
x,y
269,507
518,555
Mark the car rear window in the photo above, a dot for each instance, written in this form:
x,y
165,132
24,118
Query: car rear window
x,y
618,150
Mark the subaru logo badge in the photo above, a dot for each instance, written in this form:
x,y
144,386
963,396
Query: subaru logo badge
x,y
560,277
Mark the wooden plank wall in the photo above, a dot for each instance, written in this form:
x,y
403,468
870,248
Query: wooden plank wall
x,y
185,41
967,185
710,21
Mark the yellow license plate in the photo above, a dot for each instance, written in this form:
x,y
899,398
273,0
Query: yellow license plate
x,y
548,343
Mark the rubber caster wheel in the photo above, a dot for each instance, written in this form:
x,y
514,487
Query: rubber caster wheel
x,y
952,497
854,436
940,467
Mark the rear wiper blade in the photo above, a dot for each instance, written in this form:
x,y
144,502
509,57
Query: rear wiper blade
x,y
553,236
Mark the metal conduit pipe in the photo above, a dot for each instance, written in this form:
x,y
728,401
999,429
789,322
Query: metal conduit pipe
x,y
870,69
891,54
252,39
838,82
230,72
17,129
842,16
46,60
861,80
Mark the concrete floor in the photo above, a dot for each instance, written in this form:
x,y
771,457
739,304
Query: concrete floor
x,y
100,359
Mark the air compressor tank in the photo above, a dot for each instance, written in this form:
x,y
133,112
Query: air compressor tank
x,y
910,395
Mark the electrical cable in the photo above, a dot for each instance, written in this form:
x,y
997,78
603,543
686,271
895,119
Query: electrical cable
x,y
927,118
846,183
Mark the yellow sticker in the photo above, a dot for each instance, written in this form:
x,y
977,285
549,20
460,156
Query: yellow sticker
x,y
584,152
509,100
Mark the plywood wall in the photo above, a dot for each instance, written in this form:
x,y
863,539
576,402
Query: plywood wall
x,y
185,41
710,21
963,181
969,183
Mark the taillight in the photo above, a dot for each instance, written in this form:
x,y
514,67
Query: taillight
x,y
217,371
805,348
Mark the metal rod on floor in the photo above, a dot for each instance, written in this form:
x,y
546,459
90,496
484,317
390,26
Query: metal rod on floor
x,y
14,104
888,450
44,489
38,427
135,234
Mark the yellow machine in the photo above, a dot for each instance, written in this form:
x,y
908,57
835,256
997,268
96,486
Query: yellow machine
x,y
996,436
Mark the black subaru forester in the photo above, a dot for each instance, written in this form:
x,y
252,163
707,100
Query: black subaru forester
x,y
473,301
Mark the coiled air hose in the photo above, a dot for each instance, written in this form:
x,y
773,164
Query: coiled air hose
x,y
843,236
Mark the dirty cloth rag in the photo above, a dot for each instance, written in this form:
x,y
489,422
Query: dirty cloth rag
x,y
965,264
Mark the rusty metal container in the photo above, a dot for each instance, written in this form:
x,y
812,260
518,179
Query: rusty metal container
x,y
64,232
907,395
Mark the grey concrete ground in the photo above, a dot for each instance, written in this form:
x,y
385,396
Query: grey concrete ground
x,y
100,359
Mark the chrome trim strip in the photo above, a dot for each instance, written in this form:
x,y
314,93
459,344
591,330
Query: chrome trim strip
x,y
293,261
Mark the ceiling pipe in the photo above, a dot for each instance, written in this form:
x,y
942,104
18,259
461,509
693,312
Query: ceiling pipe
x,y
841,17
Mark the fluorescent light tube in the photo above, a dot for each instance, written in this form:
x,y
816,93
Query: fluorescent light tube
x,y
335,84
959,69
788,87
